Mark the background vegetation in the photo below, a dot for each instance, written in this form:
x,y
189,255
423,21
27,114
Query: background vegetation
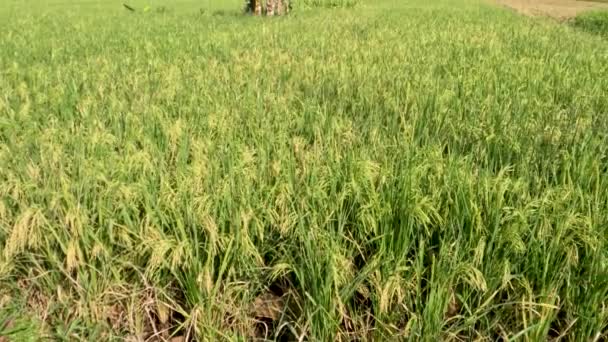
x,y
431,170
593,22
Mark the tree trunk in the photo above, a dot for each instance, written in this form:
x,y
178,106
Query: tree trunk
x,y
280,7
270,7
273,7
254,6
258,7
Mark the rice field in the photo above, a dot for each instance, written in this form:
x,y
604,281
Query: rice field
x,y
382,170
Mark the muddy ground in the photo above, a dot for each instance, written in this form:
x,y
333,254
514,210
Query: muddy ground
x,y
560,9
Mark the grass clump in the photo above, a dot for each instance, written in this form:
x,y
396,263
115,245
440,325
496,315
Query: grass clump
x,y
407,170
595,22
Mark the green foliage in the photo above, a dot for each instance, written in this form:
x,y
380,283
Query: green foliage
x,y
326,3
422,170
595,22
15,325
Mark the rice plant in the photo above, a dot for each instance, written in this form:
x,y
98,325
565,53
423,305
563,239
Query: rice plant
x,y
396,170
594,22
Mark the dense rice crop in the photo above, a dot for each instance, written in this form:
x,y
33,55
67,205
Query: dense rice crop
x,y
424,170
594,22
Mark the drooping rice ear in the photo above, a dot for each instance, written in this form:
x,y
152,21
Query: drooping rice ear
x,y
129,7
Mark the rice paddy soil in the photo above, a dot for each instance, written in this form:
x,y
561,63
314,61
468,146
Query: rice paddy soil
x,y
560,9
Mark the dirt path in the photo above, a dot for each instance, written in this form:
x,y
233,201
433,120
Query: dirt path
x,y
561,9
